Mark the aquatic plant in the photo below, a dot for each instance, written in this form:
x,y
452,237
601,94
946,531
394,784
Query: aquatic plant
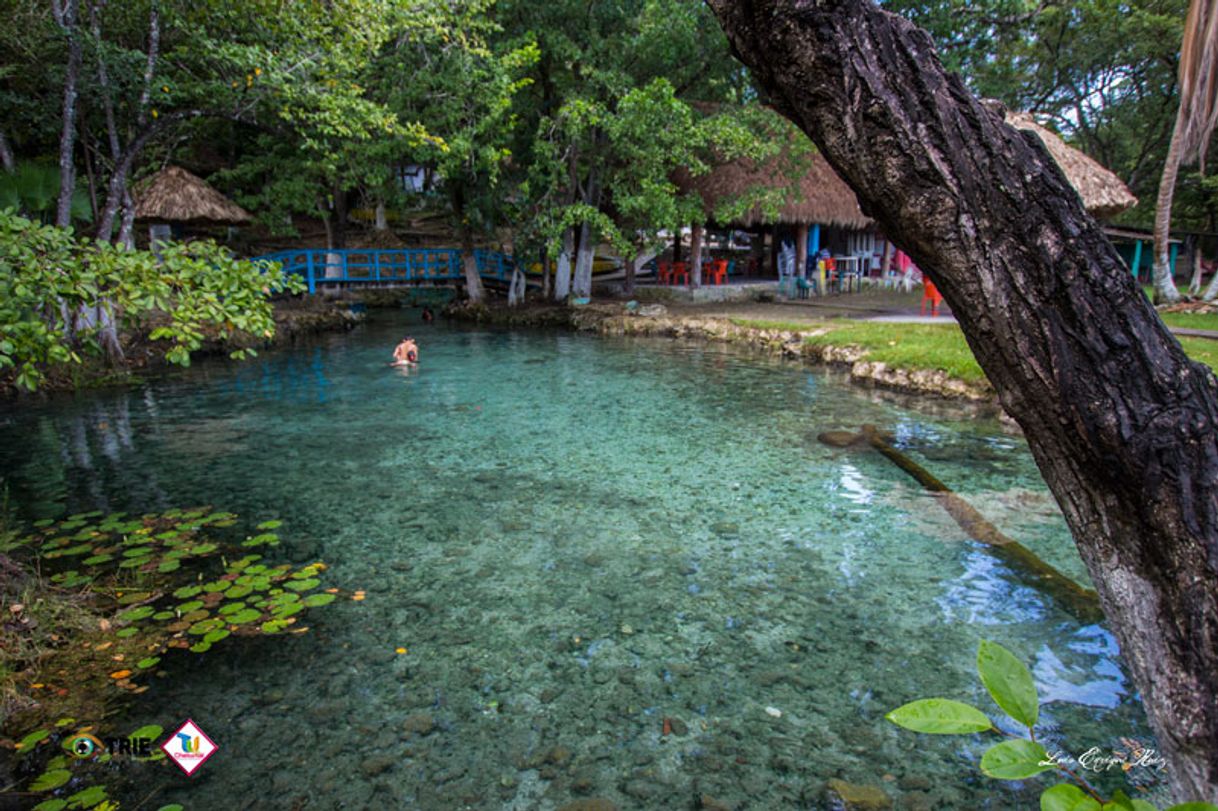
x,y
1011,687
96,602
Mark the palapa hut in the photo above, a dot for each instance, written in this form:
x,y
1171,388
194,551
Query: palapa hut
x,y
175,196
821,198
818,198
1103,193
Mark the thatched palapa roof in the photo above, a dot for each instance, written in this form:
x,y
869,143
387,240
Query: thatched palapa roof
x,y
822,196
1103,193
175,195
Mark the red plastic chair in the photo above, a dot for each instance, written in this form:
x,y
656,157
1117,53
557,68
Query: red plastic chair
x,y
680,270
716,271
664,272
930,293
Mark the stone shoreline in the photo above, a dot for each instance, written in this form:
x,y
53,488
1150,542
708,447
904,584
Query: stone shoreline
x,y
656,320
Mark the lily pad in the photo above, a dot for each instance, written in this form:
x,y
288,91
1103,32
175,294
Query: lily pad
x,y
51,780
144,664
244,616
187,591
124,633
136,614
317,600
302,585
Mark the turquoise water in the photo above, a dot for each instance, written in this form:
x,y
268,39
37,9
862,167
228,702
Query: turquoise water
x,y
577,538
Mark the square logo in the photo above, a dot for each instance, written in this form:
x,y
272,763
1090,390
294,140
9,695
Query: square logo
x,y
189,747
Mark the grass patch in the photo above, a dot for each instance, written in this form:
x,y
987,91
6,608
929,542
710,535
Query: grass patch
x,y
907,346
938,346
1191,320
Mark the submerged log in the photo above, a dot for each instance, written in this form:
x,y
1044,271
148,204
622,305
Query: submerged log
x,y
1082,602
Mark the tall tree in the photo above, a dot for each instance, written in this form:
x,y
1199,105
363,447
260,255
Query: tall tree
x,y
1121,423
1195,121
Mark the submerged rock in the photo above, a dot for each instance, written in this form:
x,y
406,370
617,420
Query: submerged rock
x,y
589,804
420,724
848,796
840,439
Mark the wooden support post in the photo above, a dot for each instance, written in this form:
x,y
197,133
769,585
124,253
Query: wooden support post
x,y
801,251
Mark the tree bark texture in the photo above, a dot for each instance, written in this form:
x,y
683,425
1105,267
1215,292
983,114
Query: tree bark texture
x,y
469,263
66,16
562,274
581,284
6,155
1121,423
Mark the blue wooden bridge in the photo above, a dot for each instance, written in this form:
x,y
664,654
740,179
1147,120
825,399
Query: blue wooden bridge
x,y
319,266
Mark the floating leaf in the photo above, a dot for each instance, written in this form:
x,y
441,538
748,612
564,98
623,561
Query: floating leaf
x,y
272,524
51,780
187,591
170,807
169,566
201,647
51,805
118,675
244,616
215,586
31,740
237,592
44,522
97,559
161,616
136,614
211,637
1017,759
144,664
88,797
318,600
200,628
273,626
266,538
127,632
302,585
190,605
939,716
151,731
137,552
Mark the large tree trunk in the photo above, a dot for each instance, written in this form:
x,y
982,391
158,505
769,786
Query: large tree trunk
x,y
581,285
1122,424
469,263
66,14
562,275
695,255
1165,285
6,155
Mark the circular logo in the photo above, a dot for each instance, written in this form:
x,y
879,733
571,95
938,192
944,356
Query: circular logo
x,y
84,746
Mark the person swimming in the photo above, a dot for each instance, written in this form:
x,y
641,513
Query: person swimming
x,y
406,353
428,316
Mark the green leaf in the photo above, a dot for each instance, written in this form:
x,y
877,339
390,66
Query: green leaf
x,y
1193,807
170,807
136,614
30,741
88,797
187,592
123,633
1120,802
939,716
1015,760
51,805
152,731
318,600
1009,682
302,585
50,780
244,616
151,661
1142,805
273,524
1067,797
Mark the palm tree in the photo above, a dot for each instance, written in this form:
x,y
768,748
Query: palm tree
x,y
1195,121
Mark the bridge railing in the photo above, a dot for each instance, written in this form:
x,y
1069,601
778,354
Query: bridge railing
x,y
371,266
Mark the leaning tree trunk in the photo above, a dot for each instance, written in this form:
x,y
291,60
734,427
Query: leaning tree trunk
x,y
1122,424
1165,285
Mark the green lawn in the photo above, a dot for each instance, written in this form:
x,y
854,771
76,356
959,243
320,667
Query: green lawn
x,y
1191,320
931,346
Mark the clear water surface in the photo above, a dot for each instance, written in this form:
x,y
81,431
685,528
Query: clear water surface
x,y
575,539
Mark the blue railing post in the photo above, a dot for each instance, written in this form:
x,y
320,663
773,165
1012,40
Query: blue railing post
x,y
309,277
